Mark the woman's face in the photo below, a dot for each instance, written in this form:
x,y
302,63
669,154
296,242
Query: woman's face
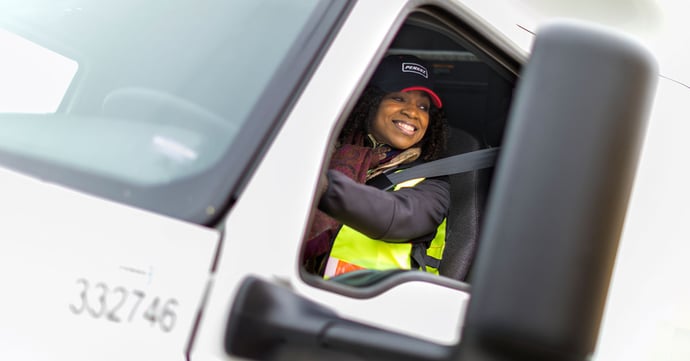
x,y
401,119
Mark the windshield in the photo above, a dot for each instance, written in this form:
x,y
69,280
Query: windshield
x,y
142,101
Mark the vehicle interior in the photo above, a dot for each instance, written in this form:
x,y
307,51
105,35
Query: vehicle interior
x,y
476,84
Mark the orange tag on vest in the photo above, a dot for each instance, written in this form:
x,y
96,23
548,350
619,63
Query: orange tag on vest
x,y
335,267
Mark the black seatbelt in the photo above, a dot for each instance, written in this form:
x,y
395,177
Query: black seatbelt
x,y
464,162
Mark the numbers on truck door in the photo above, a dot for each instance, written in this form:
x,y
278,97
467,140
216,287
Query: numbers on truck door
x,y
119,304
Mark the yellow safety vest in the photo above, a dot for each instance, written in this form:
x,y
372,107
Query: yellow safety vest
x,y
353,250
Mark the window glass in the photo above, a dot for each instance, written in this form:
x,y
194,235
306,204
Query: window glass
x,y
127,99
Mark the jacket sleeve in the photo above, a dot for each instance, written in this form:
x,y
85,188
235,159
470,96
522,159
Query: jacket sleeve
x,y
398,216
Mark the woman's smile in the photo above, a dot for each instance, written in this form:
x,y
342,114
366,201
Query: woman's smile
x,y
404,127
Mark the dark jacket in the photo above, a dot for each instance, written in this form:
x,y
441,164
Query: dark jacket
x,y
409,214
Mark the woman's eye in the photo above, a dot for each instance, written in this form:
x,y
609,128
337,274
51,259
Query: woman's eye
x,y
424,108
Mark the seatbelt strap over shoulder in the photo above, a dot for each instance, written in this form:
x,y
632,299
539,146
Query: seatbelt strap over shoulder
x,y
464,162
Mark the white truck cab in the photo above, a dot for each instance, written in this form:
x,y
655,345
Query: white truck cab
x,y
159,165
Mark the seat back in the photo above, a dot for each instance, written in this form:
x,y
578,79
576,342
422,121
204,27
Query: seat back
x,y
468,194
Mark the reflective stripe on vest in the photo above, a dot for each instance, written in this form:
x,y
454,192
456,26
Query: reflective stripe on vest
x,y
353,250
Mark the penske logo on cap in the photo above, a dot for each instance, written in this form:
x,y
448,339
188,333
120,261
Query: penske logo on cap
x,y
414,68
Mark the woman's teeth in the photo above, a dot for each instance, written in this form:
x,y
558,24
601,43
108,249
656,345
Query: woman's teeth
x,y
406,128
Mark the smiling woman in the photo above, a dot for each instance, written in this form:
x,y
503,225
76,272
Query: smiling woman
x,y
397,122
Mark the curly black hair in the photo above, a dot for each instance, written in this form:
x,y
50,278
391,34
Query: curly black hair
x,y
433,143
